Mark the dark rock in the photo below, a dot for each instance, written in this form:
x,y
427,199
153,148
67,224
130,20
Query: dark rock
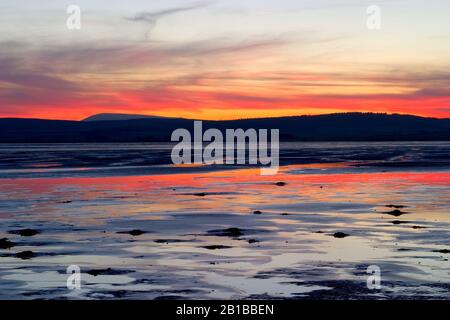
x,y
134,233
200,194
284,214
167,241
419,227
395,213
257,212
25,232
99,272
442,251
6,244
399,222
25,255
280,184
252,241
216,247
107,272
340,235
230,232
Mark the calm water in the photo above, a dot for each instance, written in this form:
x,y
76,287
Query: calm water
x,y
45,160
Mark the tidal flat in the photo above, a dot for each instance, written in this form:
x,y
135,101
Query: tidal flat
x,y
309,232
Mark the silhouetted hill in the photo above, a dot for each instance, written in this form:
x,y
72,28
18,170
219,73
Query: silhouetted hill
x,y
118,116
331,127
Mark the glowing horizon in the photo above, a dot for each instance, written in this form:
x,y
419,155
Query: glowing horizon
x,y
220,60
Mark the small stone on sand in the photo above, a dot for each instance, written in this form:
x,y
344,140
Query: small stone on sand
x,y
25,255
99,272
395,213
167,241
399,222
200,194
230,232
6,244
216,247
340,235
134,233
442,251
25,232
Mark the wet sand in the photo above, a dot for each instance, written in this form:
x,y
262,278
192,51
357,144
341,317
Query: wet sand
x,y
309,232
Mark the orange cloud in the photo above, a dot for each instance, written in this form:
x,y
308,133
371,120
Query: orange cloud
x,y
203,80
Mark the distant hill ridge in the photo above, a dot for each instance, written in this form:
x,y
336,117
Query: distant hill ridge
x,y
118,116
138,128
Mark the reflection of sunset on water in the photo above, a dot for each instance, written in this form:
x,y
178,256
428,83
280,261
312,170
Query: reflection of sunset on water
x,y
298,215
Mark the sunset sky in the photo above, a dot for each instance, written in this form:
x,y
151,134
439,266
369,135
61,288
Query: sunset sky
x,y
223,59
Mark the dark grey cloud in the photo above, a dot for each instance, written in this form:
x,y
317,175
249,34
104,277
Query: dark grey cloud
x,y
105,58
14,70
56,74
